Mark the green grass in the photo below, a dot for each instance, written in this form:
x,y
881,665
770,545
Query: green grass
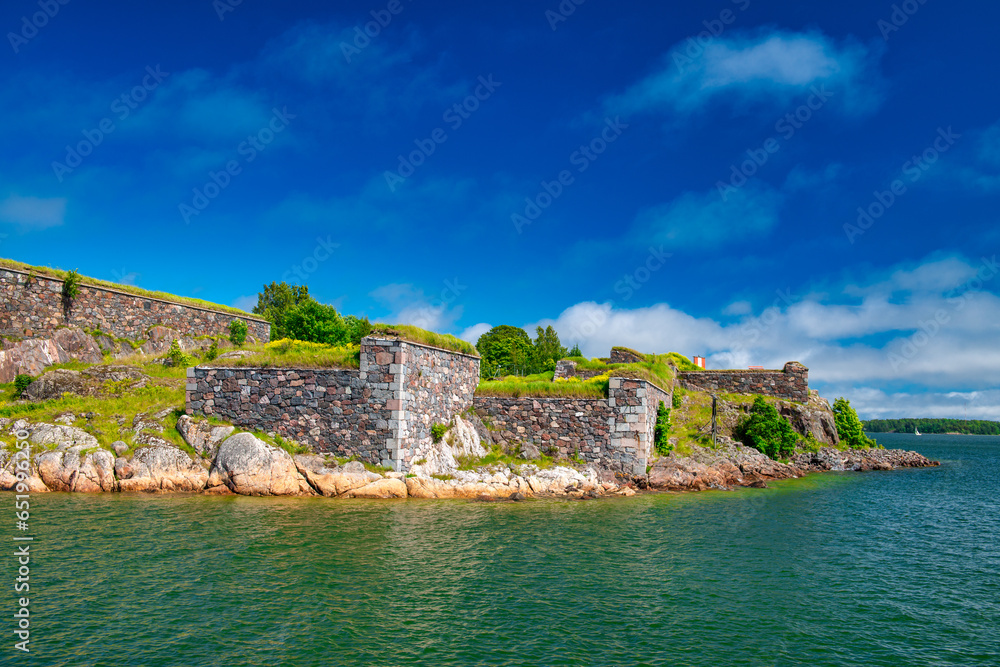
x,y
416,335
656,370
497,456
287,353
44,271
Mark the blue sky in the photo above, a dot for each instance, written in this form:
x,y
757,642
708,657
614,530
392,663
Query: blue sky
x,y
668,176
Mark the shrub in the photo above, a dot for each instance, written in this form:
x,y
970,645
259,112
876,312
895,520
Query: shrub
x,y
675,401
213,350
70,288
767,431
660,442
177,356
438,431
575,352
849,427
238,332
21,383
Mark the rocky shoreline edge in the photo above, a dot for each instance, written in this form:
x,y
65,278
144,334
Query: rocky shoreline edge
x,y
68,459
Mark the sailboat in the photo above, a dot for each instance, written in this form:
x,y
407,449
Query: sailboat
x,y
916,431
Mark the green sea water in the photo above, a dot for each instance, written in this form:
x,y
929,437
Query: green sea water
x,y
879,568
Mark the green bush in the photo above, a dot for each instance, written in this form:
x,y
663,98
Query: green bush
x,y
767,431
213,350
70,288
849,427
660,441
438,431
675,401
21,383
177,356
238,332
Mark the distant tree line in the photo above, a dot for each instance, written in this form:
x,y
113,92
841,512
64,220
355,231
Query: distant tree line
x,y
974,427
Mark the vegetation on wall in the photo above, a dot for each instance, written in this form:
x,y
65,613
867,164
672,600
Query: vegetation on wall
x,y
46,272
660,442
287,353
508,350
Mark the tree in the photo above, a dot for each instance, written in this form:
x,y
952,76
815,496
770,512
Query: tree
x,y
506,349
274,303
767,431
849,427
237,332
548,349
315,322
575,352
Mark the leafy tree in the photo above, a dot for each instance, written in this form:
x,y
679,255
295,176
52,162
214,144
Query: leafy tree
x,y
575,352
660,442
506,349
767,431
357,328
237,332
548,349
315,322
849,427
274,303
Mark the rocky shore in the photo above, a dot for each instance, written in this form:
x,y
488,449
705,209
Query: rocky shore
x,y
66,458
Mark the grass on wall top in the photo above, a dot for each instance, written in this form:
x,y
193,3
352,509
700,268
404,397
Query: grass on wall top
x,y
59,274
414,334
288,353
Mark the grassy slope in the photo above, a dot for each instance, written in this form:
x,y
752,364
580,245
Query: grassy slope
x,y
293,354
130,289
657,370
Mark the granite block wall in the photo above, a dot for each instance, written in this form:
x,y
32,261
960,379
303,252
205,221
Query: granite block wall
x,y
791,383
381,413
614,432
33,309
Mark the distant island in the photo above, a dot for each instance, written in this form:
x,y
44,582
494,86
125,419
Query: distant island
x,y
962,426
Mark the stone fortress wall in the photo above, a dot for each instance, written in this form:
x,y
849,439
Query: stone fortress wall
x,y
34,309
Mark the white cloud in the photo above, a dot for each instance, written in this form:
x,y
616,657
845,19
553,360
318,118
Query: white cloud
x,y
409,305
935,338
246,303
738,308
30,213
770,66
473,333
706,220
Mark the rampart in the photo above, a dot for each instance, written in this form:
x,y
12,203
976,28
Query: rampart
x,y
614,432
791,383
381,412
34,308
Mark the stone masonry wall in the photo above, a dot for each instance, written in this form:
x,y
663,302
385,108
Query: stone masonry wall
x,y
616,432
437,384
566,368
35,310
621,355
570,425
380,413
791,384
